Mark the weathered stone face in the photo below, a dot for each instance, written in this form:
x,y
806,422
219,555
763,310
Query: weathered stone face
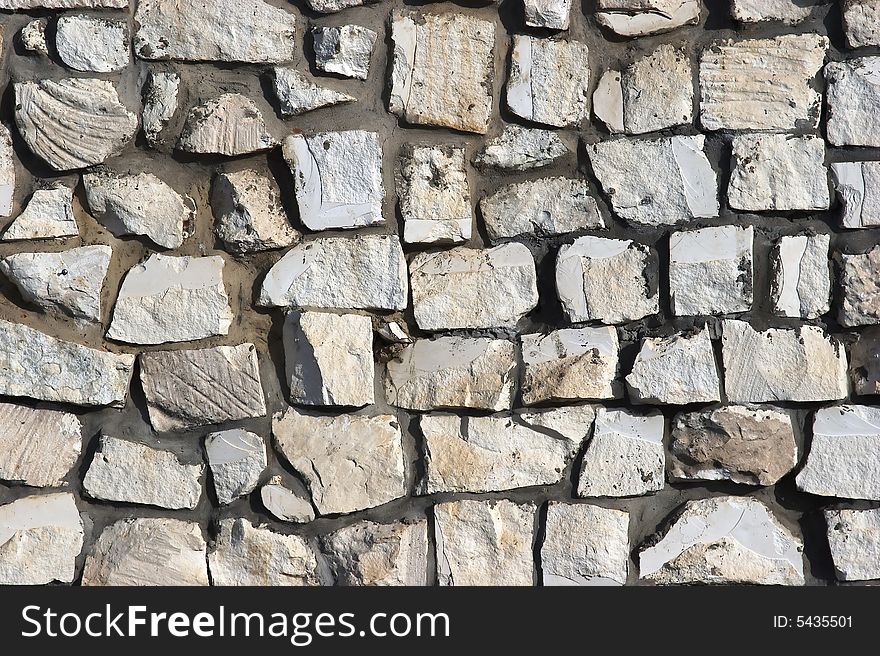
x,y
48,215
285,504
160,104
861,21
519,148
38,446
632,18
858,189
230,125
864,362
552,14
378,554
801,284
92,44
237,459
853,99
789,12
298,94
858,281
344,50
855,546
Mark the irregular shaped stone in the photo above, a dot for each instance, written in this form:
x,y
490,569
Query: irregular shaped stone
x,y
62,4
844,456
549,81
585,545
284,504
762,84
85,43
48,215
73,123
33,36
433,194
660,182
864,362
545,207
160,103
192,388
135,473
778,172
861,22
332,6
485,543
607,280
40,539
675,370
471,288
711,271
573,422
70,281
734,443
7,172
338,178
520,149
430,82
42,367
858,188
38,446
372,554
329,358
452,372
782,365
229,125
250,215
490,454
652,93
363,273
854,538
297,94
801,284
552,14
349,462
859,288
393,332
625,456
146,552
853,99
724,540
570,364
221,30
251,556
345,50
789,12
633,18
171,299
237,459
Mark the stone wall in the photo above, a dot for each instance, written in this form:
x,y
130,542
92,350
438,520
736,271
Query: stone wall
x,y
536,292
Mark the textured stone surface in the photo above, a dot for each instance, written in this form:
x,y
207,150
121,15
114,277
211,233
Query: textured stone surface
x,y
48,215
7,172
92,44
344,50
229,125
237,459
724,540
633,18
371,554
858,189
350,462
786,11
552,14
331,6
861,22
160,103
191,388
285,504
518,148
298,94
853,99
38,446
752,446
63,4
801,284
607,280
484,543
865,362
33,36
854,538
860,290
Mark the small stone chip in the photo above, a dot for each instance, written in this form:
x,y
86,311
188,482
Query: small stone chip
x,y
33,36
858,188
345,50
520,149
38,446
298,94
801,284
854,538
285,504
237,459
860,288
853,99
372,554
48,215
85,43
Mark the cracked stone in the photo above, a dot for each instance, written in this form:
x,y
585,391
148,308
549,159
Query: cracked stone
x,y
171,299
490,454
48,215
585,545
338,178
349,462
229,125
250,217
632,18
859,288
800,285
625,456
360,273
40,539
298,94
544,207
844,456
724,540
7,172
551,14
607,280
73,123
148,552
861,22
373,554
38,446
245,555
858,188
193,388
778,172
220,31
854,538
429,85
36,365
782,365
85,43
285,504
762,84
473,288
135,473
33,36
789,12
853,99
749,446
659,182
345,50
570,364
485,543
865,362
70,281
160,103
549,81
329,358
237,459
522,149
433,194
711,271
453,372
675,370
